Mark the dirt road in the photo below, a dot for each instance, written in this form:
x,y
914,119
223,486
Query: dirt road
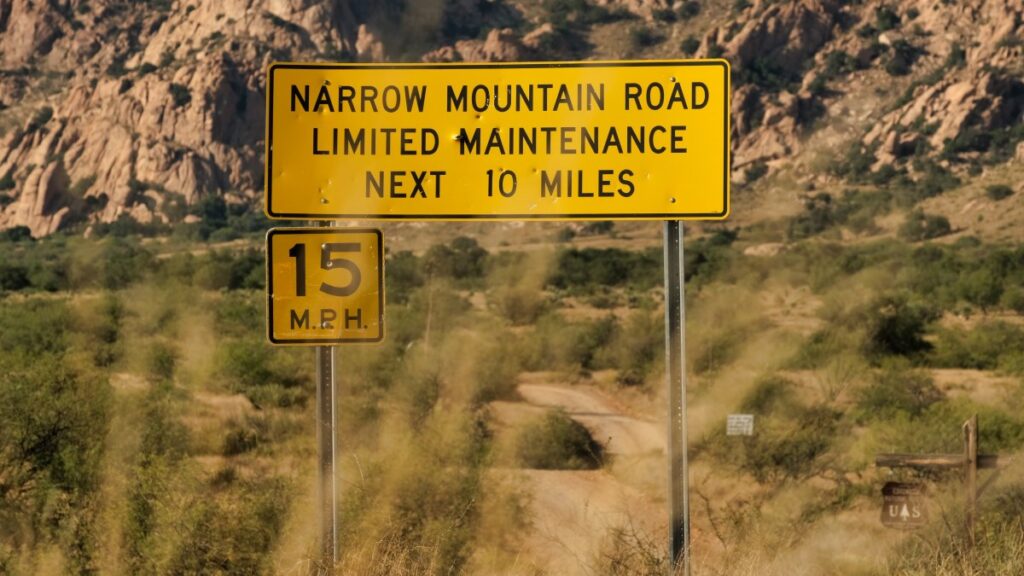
x,y
574,514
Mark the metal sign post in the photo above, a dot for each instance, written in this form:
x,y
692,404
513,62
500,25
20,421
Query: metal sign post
x,y
675,358
970,429
327,434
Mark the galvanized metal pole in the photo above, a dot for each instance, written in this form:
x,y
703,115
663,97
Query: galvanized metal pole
x,y
327,441
675,358
971,474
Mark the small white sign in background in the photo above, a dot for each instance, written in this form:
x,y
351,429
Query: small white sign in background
x,y
739,425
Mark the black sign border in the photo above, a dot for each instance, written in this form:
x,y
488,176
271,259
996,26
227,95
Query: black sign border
x,y
270,284
269,142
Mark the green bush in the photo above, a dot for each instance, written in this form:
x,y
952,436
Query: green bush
x,y
756,171
896,325
689,9
689,45
180,94
897,389
771,395
588,268
998,192
981,287
838,64
989,346
635,348
886,18
521,306
161,361
920,226
245,436
557,442
783,448
642,37
817,217
39,119
236,535
13,277
1013,299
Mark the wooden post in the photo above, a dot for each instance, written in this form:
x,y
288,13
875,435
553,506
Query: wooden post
x,y
971,474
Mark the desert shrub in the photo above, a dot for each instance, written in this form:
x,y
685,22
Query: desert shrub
x,y
224,270
558,344
520,305
587,268
689,9
267,377
161,360
634,348
54,421
235,534
404,275
494,374
689,45
937,429
816,218
180,94
767,74
855,164
838,63
920,226
981,287
664,15
989,346
998,191
598,228
756,171
771,395
34,326
571,20
565,234
462,259
643,37
886,18
238,314
896,325
897,389
13,277
147,68
39,119
784,447
244,436
557,442
1013,299
7,181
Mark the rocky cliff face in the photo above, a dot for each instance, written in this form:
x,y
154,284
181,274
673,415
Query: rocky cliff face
x,y
111,108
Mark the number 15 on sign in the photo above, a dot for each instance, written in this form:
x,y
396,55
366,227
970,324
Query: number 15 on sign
x,y
325,285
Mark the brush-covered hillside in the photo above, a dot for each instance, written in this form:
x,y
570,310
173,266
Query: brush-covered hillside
x,y
866,296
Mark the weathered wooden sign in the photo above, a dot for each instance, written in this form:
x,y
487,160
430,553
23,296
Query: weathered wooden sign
x,y
903,505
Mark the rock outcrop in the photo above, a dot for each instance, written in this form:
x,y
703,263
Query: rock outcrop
x,y
111,109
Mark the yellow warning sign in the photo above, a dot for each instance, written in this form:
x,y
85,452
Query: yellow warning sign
x,y
565,140
325,286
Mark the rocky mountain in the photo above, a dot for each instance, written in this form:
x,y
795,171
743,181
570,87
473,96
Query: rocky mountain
x,y
114,109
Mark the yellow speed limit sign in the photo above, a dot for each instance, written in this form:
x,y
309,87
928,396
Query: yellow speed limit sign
x,y
325,285
564,140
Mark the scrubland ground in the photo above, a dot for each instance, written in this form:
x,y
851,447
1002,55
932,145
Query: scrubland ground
x,y
513,421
